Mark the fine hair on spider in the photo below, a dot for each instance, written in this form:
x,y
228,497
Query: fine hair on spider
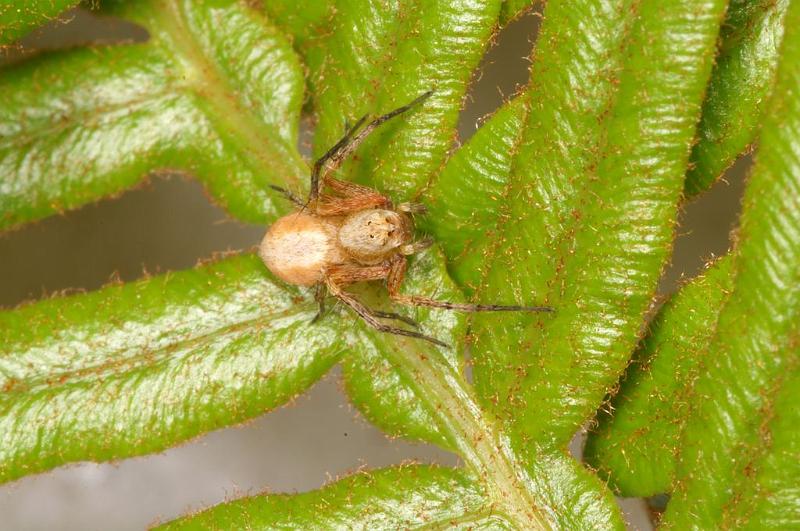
x,y
345,233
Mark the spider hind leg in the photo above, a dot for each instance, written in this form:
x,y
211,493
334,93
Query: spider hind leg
x,y
319,297
396,317
397,272
371,316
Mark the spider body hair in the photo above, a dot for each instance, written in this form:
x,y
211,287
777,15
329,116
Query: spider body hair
x,y
300,247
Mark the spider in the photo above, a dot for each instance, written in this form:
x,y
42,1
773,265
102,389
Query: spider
x,y
346,233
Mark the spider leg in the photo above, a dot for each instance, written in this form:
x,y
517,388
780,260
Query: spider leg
x,y
347,274
350,142
351,198
412,208
330,154
396,317
415,247
287,194
319,296
348,189
336,206
371,319
397,274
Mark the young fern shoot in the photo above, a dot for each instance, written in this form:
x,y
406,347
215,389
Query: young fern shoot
x,y
346,233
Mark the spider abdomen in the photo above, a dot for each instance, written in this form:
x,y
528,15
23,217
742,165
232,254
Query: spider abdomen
x,y
297,248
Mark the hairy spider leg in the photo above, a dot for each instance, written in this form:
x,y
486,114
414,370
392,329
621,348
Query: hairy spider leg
x,y
287,194
330,154
371,318
338,206
395,280
415,247
319,296
395,316
322,291
349,143
348,274
348,189
412,208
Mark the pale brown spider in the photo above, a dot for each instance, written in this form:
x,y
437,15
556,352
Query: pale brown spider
x,y
354,234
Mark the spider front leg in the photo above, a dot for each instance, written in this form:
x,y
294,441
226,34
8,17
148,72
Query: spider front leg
x,y
331,160
357,198
395,280
331,155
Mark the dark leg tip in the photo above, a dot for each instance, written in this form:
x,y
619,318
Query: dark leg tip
x,y
421,98
437,342
396,317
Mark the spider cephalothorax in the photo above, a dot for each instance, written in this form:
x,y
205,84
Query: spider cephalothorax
x,y
369,235
353,233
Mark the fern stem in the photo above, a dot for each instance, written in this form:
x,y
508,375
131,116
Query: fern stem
x,y
473,434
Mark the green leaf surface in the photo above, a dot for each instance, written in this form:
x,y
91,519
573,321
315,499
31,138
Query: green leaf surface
x,y
635,443
435,376
378,56
567,196
415,496
397,498
512,9
767,497
201,349
754,354
194,350
172,357
591,200
465,217
739,88
573,496
386,390
222,105
19,18
419,393
313,20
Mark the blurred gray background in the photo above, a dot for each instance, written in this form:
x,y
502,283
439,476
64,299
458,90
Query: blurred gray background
x,y
169,224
